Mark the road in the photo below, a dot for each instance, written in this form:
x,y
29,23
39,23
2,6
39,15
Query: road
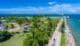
x,y
56,37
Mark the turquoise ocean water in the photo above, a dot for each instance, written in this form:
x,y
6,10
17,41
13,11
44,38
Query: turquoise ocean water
x,y
74,24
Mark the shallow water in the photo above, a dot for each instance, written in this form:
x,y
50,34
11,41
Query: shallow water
x,y
75,27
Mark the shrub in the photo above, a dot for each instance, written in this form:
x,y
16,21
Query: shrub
x,y
4,35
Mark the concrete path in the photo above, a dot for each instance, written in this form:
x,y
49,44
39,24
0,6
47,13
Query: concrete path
x,y
56,37
70,39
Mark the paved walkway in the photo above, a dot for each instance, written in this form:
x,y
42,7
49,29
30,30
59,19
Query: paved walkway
x,y
56,37
70,39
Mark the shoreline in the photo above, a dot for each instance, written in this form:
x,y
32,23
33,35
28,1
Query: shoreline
x,y
70,38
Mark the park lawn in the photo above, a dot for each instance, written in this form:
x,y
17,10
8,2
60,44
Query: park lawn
x,y
63,39
16,40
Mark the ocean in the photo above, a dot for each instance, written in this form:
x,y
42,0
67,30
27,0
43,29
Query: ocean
x,y
73,22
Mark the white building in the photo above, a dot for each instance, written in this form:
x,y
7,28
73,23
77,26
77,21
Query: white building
x,y
2,25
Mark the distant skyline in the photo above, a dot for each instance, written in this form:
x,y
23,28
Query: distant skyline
x,y
39,6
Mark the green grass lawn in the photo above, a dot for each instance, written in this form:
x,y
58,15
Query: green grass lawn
x,y
16,40
63,39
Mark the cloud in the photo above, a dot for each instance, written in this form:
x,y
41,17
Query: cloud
x,y
51,3
54,9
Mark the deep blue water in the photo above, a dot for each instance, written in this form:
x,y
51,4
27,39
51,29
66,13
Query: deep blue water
x,y
29,15
73,21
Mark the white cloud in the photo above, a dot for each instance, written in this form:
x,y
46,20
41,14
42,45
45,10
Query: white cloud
x,y
51,3
57,8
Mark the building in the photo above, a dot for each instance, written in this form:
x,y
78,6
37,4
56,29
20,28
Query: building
x,y
2,25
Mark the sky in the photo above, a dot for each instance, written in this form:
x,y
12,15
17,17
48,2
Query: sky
x,y
39,6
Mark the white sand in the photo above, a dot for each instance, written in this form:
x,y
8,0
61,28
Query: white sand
x,y
70,39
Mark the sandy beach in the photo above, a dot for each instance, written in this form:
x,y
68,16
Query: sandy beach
x,y
70,38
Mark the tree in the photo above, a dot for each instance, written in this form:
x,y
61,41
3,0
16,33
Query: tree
x,y
4,35
40,32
